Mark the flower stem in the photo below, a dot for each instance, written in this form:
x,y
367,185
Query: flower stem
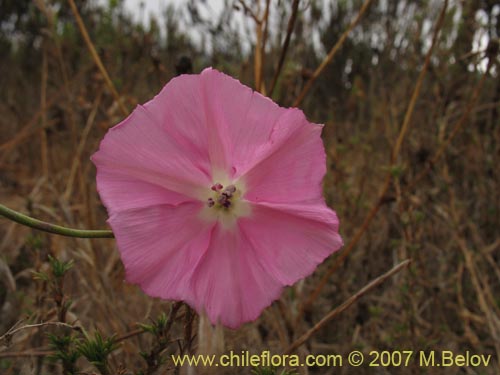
x,y
52,228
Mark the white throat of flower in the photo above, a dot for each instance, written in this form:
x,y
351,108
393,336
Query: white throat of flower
x,y
223,202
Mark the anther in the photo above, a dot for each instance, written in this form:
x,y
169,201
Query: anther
x,y
217,187
223,196
222,199
231,189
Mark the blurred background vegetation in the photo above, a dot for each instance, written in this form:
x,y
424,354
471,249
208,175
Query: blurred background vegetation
x,y
440,207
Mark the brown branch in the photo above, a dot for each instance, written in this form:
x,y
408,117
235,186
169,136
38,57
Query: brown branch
x,y
28,353
37,325
388,178
286,43
7,336
247,10
331,54
96,57
44,149
31,126
257,61
416,92
265,21
81,146
344,306
458,126
130,334
485,297
261,25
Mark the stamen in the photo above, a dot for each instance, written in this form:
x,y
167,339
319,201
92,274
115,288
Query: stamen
x,y
224,201
217,187
223,197
231,189
210,202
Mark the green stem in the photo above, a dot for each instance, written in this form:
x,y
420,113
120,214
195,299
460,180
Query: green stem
x,y
52,228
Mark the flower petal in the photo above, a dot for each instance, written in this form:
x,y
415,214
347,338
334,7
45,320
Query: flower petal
x,y
120,192
144,159
240,119
292,166
160,247
179,111
229,283
291,240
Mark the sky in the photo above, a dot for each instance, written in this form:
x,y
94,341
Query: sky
x,y
142,10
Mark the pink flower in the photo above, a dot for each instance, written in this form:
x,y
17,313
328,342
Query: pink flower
x,y
214,194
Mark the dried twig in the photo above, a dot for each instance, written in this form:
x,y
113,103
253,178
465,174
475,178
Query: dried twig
x,y
385,187
456,129
96,57
31,126
27,353
331,54
7,335
376,282
286,43
44,150
485,299
265,22
81,146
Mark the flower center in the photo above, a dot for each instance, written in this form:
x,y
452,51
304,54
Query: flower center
x,y
225,202
223,197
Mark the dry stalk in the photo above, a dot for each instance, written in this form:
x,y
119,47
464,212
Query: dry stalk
x,y
11,332
96,58
27,353
81,146
331,54
30,128
286,43
51,19
344,306
456,129
485,299
43,119
388,178
261,27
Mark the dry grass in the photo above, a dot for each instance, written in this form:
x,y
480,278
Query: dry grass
x,y
436,200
